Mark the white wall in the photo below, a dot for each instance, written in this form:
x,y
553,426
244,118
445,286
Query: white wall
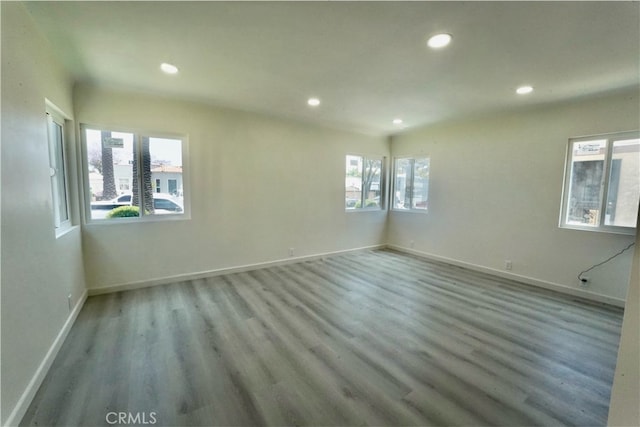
x,y
38,270
258,187
624,409
495,194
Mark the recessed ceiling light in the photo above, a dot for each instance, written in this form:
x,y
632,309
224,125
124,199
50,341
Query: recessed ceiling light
x,y
397,121
168,68
439,40
314,102
523,90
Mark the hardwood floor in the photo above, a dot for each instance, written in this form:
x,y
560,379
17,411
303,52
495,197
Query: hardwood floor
x,y
375,338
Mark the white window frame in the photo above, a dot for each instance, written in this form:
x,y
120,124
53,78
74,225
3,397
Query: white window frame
x,y
392,201
383,168
610,138
137,135
58,169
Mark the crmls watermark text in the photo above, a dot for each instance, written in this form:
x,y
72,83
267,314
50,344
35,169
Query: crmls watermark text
x,y
126,418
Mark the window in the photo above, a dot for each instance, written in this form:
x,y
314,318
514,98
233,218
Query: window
x,y
173,186
363,183
138,162
124,184
602,183
57,170
411,184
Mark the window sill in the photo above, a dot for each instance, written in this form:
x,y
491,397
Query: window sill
x,y
364,210
628,231
63,231
145,220
412,211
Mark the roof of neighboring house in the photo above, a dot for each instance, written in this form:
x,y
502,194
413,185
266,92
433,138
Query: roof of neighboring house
x,y
167,168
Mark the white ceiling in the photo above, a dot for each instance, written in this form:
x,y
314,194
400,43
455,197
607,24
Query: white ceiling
x,y
367,61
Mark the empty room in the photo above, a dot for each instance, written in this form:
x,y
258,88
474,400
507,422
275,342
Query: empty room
x,y
320,213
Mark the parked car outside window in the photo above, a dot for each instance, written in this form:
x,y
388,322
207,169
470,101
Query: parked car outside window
x,y
162,203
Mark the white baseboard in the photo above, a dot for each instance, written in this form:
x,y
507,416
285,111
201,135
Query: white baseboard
x,y
592,296
27,396
217,272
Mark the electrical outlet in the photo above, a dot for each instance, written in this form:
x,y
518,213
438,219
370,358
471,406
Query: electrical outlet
x,y
69,301
292,251
508,265
412,244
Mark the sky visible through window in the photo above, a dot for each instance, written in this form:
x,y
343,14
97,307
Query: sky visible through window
x,y
167,151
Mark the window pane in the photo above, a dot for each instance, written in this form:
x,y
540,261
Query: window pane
x,y
402,184
353,182
58,175
162,172
371,182
420,183
624,184
110,159
585,187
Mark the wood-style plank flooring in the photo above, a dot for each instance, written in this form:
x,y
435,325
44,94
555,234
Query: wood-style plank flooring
x,y
367,338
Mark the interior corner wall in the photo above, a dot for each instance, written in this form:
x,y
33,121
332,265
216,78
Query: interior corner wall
x,y
258,186
625,393
495,194
39,271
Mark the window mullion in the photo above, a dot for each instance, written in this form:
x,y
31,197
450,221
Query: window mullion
x,y
605,182
362,172
413,173
568,173
65,169
384,183
137,152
